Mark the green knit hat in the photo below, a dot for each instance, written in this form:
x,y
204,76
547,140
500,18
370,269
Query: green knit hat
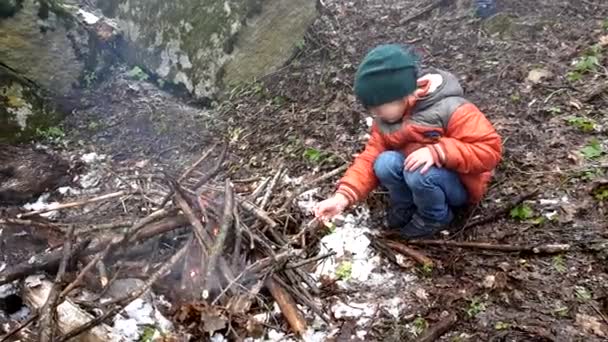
x,y
388,72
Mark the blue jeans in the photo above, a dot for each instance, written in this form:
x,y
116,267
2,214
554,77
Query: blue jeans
x,y
432,194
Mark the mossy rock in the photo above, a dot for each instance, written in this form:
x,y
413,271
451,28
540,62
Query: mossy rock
x,y
23,111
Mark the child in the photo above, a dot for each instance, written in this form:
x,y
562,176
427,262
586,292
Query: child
x,y
431,148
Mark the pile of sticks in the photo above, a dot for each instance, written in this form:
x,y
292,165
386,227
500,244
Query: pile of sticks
x,y
223,248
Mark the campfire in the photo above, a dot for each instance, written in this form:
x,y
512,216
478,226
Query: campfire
x,y
219,252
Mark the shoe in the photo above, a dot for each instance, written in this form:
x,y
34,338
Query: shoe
x,y
398,216
419,228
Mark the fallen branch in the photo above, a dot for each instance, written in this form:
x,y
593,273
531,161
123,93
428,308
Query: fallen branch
x,y
536,249
76,204
211,172
22,326
40,262
308,185
287,305
259,213
420,257
196,163
47,313
309,261
436,331
220,239
270,189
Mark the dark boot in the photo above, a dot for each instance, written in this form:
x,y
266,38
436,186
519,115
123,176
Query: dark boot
x,y
398,216
419,228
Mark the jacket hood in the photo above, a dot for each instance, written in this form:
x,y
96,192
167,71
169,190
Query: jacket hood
x,y
443,84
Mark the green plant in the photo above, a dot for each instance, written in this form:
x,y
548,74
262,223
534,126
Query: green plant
x,y
521,212
502,326
515,98
585,64
315,156
419,325
476,306
344,270
138,74
50,133
89,79
300,44
601,193
147,334
591,174
561,311
559,264
593,150
584,124
554,110
426,270
582,293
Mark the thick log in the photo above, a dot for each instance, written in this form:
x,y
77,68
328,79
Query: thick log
x,y
288,306
69,316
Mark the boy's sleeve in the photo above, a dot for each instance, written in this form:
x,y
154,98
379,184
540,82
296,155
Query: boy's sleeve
x,y
360,179
471,144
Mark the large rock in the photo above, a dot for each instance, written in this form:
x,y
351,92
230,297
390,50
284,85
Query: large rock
x,y
23,110
189,42
44,45
46,54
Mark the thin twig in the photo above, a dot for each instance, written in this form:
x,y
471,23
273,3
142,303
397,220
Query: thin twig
x,y
311,260
218,247
270,189
420,257
259,213
76,204
196,163
84,271
22,326
47,312
551,248
311,183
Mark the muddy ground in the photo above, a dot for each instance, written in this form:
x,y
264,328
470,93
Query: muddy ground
x,y
539,73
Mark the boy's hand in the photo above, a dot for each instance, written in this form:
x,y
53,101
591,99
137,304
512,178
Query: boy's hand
x,y
421,157
331,207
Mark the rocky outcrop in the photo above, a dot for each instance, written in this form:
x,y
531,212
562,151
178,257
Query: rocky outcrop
x,y
46,55
197,43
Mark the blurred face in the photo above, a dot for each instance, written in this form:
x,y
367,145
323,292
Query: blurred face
x,y
391,112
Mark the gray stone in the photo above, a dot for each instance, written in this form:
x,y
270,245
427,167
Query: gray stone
x,y
190,42
122,287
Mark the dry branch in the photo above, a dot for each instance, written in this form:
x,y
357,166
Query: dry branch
x,y
76,204
47,313
196,163
287,305
270,189
420,257
218,248
309,184
436,331
536,249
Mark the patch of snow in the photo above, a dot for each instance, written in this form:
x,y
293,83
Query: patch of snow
x,y
137,314
41,204
369,121
126,328
314,336
21,314
68,190
91,158
2,266
545,201
88,17
306,201
7,290
294,181
349,241
352,310
361,334
90,180
217,337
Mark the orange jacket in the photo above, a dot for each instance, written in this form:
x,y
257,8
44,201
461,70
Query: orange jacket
x,y
460,136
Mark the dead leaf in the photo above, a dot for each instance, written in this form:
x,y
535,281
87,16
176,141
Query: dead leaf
x,y
537,75
591,325
576,104
604,41
213,321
